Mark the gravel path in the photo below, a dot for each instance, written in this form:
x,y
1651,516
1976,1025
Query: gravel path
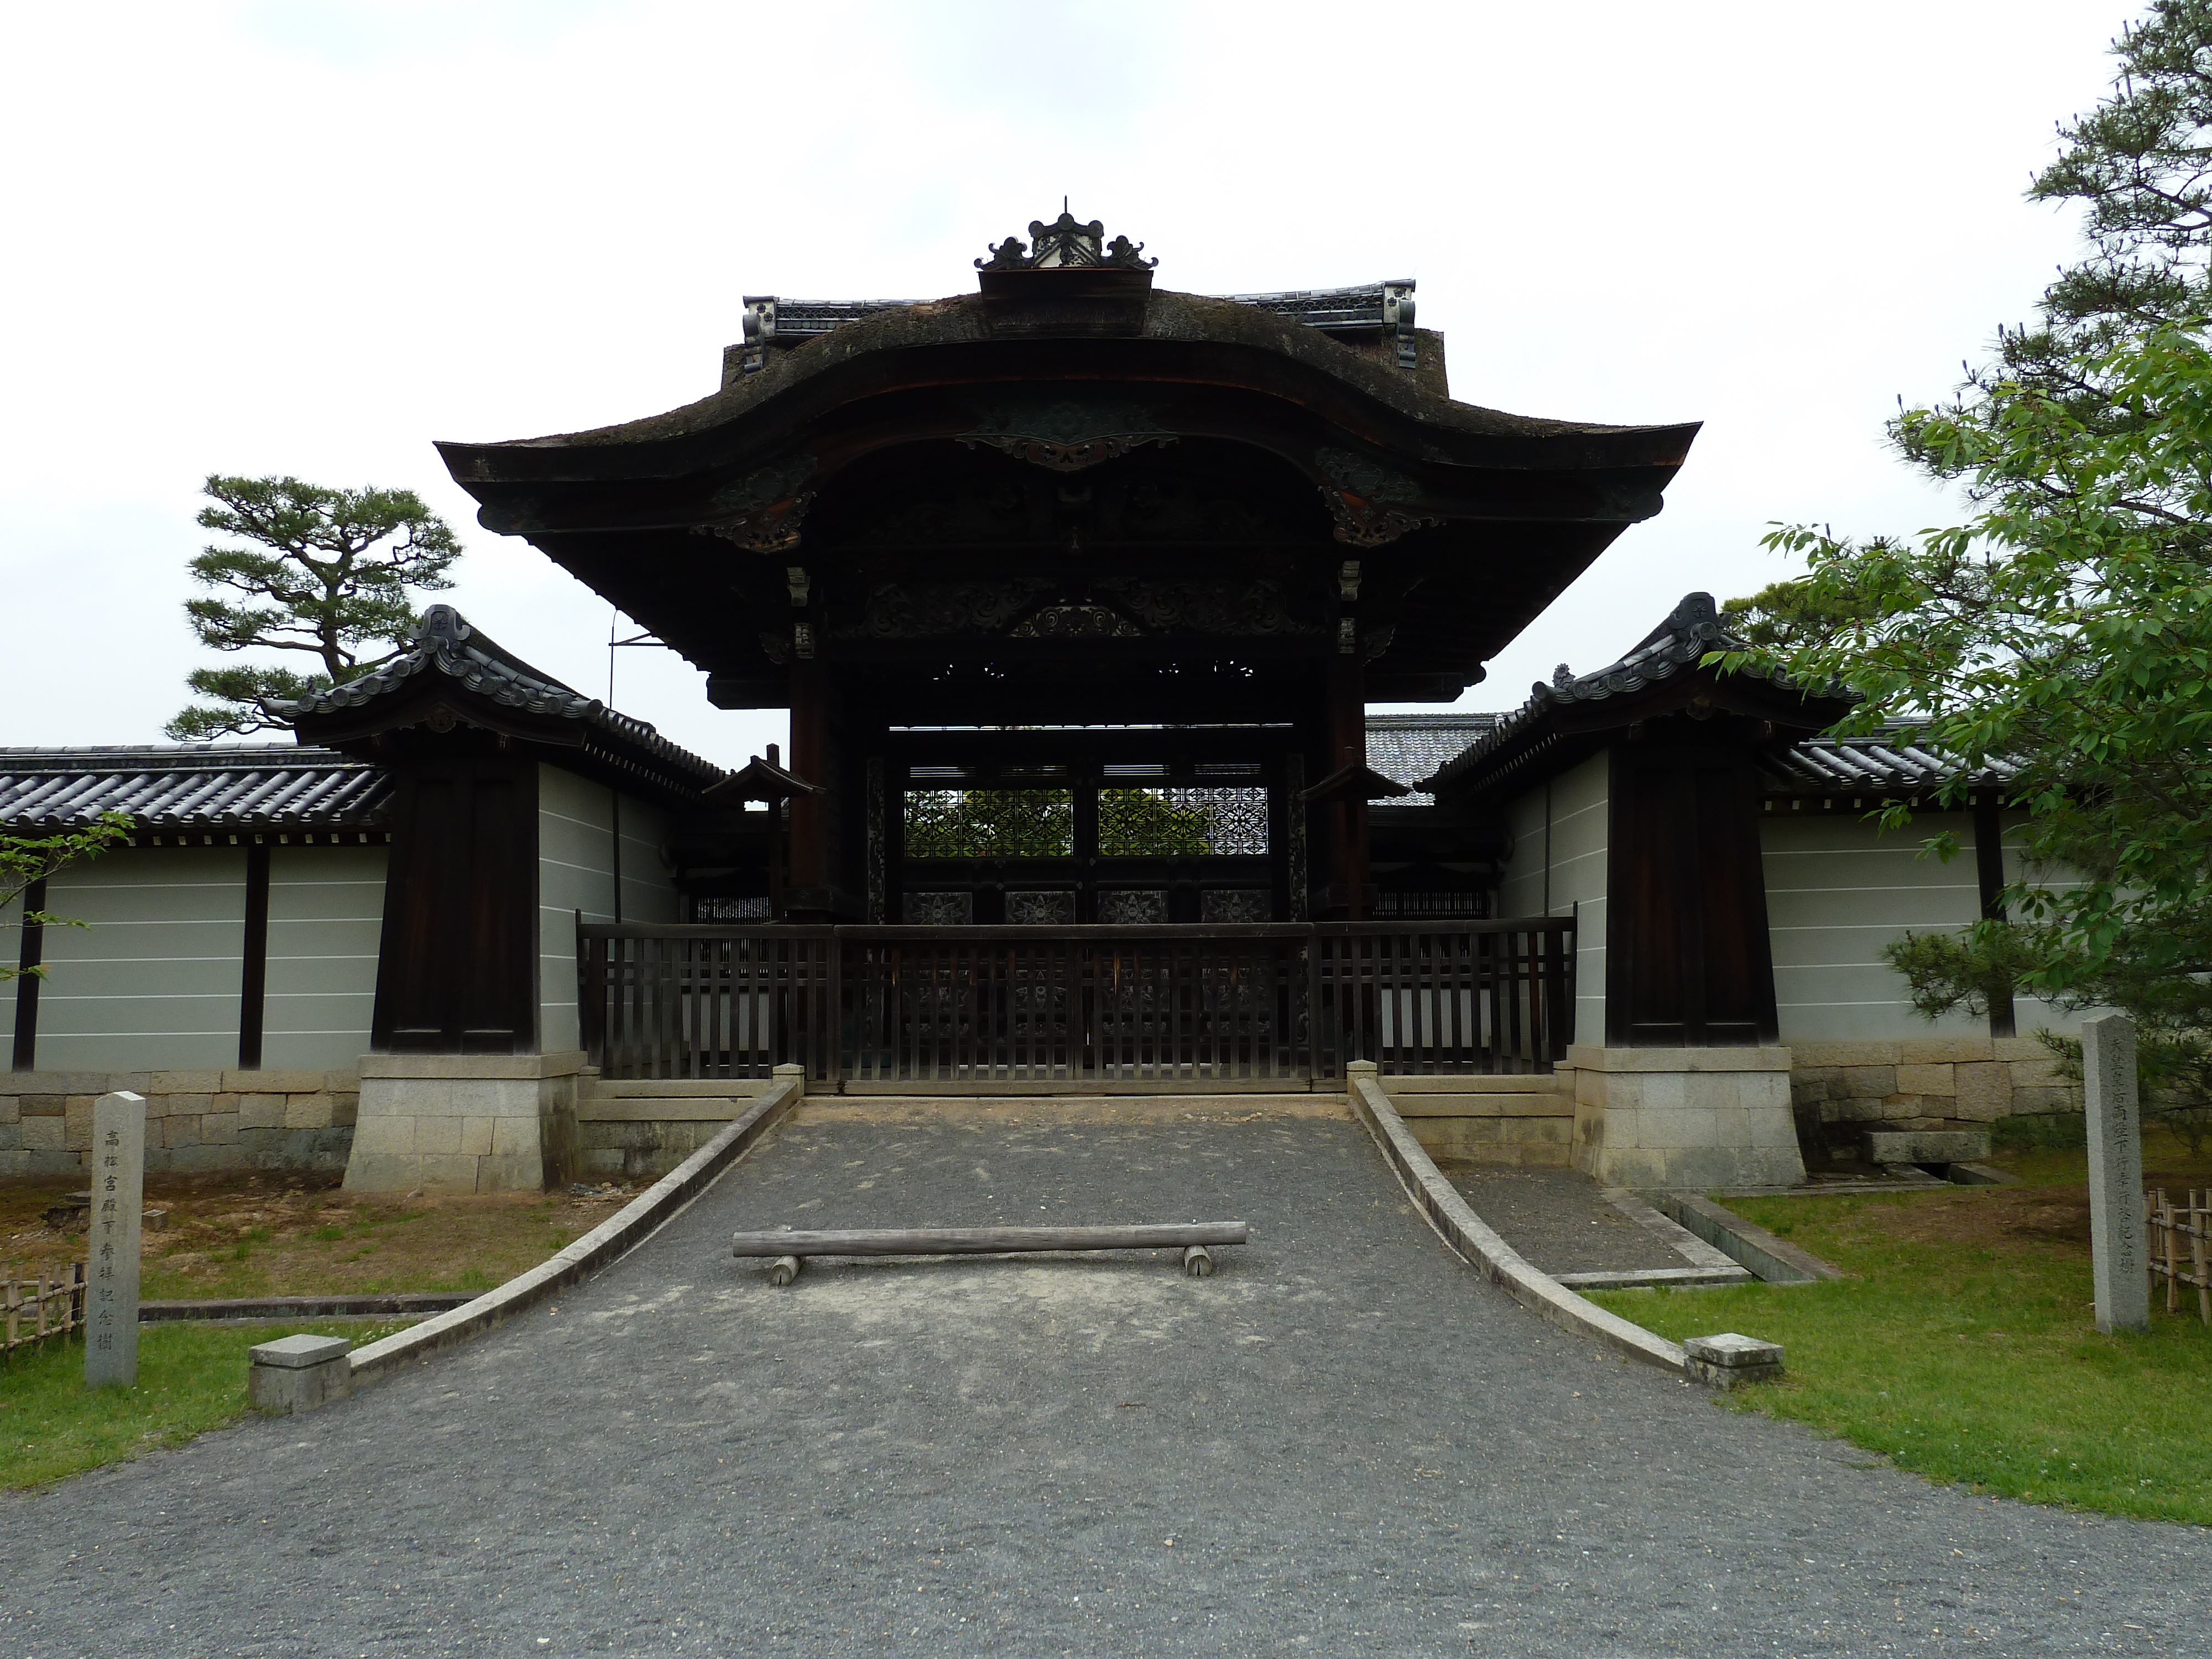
x,y
1343,1443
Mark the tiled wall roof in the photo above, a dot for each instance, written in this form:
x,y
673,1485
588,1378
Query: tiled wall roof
x,y
447,643
1406,747
282,786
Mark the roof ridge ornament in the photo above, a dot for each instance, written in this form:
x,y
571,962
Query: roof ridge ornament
x,y
442,629
1066,244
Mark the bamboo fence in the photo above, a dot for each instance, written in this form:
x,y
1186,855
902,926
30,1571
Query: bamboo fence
x,y
47,1305
2170,1224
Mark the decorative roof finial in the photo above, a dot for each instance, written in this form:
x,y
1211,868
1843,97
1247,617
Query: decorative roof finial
x,y
1065,244
441,629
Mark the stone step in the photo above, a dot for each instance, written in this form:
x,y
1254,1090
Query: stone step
x,y
674,1088
1888,1146
592,1108
1504,1083
1493,1105
665,1108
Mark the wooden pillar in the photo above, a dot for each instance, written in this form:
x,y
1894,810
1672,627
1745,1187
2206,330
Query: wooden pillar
x,y
253,969
809,874
1346,718
26,984
878,891
1083,796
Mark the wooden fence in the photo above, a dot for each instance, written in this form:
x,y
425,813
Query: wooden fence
x,y
40,1308
1156,1004
2170,1225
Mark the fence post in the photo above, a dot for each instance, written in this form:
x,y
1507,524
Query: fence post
x,y
589,1036
1319,1057
2117,1237
834,1001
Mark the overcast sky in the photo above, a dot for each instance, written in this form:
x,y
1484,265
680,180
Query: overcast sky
x,y
309,237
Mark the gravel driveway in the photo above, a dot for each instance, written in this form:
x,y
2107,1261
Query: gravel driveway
x,y
1343,1443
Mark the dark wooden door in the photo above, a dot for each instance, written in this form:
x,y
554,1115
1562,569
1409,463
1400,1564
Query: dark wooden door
x,y
458,972
1687,958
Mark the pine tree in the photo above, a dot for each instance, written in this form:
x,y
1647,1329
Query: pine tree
x,y
323,572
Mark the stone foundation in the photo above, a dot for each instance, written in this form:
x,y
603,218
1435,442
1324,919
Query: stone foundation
x,y
195,1119
1841,1089
1655,1118
1522,1121
464,1123
639,1129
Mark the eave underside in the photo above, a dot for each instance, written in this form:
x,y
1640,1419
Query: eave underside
x,y
1192,509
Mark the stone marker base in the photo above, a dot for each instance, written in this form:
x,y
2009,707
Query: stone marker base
x,y
299,1373
1729,1361
464,1123
1650,1119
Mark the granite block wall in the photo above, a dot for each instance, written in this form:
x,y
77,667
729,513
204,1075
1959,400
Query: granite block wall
x,y
195,1119
1978,1079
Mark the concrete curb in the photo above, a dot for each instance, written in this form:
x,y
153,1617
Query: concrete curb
x,y
1472,1237
307,1307
1774,1260
594,1250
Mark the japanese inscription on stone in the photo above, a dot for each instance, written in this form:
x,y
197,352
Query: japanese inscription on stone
x,y
118,1184
2118,1242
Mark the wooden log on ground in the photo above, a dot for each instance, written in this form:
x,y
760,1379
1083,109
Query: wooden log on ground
x,y
1198,1261
783,1270
988,1241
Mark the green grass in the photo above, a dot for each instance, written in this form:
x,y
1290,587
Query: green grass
x,y
1965,1349
191,1378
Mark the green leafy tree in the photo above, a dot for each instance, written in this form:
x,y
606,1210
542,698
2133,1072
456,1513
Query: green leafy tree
x,y
25,861
321,572
1147,823
976,823
2066,626
1040,823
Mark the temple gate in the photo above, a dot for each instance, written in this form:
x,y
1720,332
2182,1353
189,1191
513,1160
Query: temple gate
x,y
1077,590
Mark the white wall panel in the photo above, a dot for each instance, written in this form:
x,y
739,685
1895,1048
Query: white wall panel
x,y
576,872
151,983
1558,863
325,917
1838,891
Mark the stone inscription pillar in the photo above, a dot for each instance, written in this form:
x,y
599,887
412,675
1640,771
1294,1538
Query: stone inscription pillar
x,y
2118,1242
118,1192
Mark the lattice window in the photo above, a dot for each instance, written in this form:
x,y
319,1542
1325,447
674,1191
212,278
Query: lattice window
x,y
1133,908
1041,909
1413,904
981,823
1236,904
1169,823
722,908
937,909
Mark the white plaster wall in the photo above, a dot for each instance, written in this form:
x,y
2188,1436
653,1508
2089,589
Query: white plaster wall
x,y
2032,1014
11,953
1560,844
325,918
576,872
151,983
1838,891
